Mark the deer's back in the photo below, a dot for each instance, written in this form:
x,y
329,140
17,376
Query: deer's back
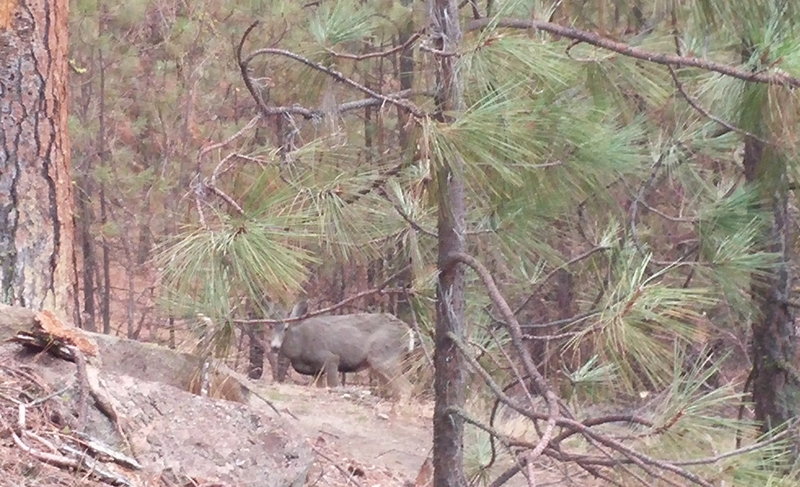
x,y
354,338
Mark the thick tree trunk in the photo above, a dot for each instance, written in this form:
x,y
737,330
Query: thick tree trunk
x,y
36,226
450,376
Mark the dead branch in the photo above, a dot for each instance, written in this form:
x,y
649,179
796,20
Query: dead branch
x,y
370,55
347,475
244,67
773,78
553,272
75,461
83,386
515,331
218,145
100,448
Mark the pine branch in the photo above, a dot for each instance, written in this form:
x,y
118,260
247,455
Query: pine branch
x,y
774,78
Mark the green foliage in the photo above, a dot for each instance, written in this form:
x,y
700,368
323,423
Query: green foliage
x,y
239,258
639,317
341,21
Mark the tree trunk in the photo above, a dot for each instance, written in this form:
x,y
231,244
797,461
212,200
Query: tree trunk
x,y
36,226
450,366
102,152
257,338
775,385
85,218
774,378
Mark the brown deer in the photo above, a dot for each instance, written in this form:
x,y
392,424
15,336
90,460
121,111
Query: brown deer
x,y
345,343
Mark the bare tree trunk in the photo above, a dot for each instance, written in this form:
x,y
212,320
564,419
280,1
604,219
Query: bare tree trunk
x,y
257,341
106,264
450,375
171,325
101,149
36,207
87,248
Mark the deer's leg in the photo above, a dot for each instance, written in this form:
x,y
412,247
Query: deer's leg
x,y
332,370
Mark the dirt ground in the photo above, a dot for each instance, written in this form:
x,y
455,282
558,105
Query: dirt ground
x,y
357,435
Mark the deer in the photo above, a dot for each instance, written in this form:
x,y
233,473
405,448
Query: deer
x,y
326,345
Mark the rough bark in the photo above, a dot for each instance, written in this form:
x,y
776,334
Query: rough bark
x,y
36,226
450,366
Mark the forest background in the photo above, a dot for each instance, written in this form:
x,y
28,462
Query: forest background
x,y
624,172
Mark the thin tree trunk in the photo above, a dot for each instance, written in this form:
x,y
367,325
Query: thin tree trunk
x,y
774,376
87,247
450,366
106,263
171,325
36,207
775,383
101,149
257,342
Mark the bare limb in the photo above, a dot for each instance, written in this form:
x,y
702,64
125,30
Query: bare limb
x,y
515,332
416,226
552,273
218,145
227,199
244,66
360,57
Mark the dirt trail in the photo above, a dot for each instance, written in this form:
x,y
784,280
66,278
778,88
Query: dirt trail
x,y
359,429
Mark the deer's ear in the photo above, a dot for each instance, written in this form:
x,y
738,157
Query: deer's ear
x,y
299,309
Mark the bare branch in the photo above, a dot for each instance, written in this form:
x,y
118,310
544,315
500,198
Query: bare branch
x,y
542,387
370,55
552,273
227,199
266,110
218,145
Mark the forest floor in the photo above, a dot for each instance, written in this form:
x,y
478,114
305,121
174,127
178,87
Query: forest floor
x,y
358,438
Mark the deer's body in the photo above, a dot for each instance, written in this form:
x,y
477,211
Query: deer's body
x,y
346,343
